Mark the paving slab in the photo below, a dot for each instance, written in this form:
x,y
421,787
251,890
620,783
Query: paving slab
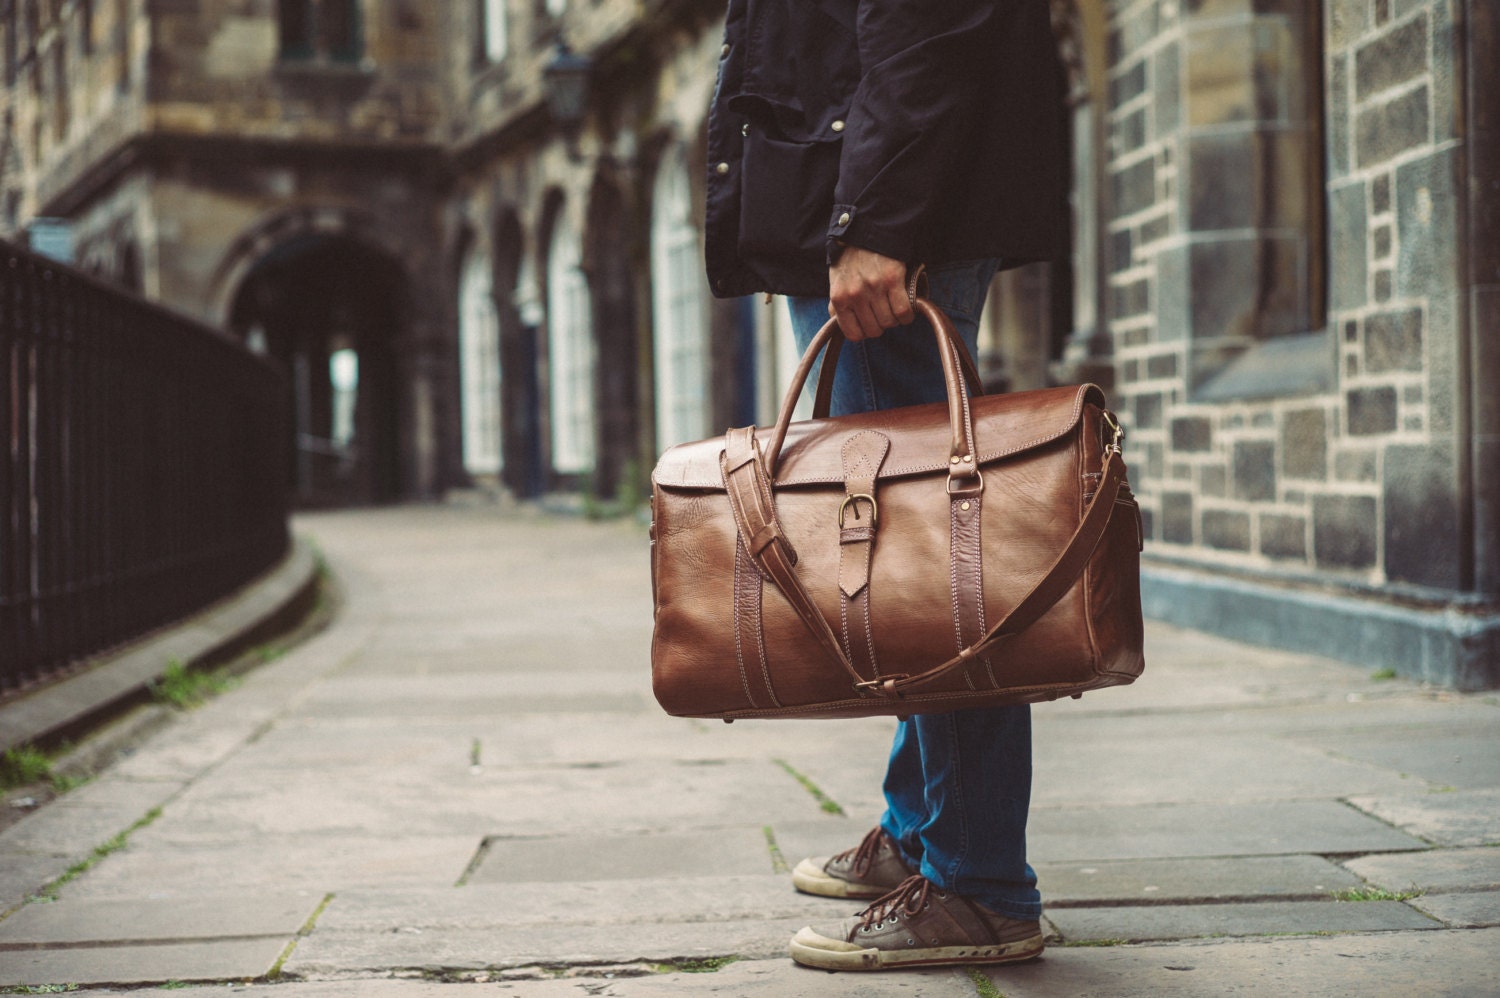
x,y
743,979
22,875
274,863
488,694
148,919
327,953
822,836
1452,755
644,795
1431,964
1106,768
1456,818
74,824
721,851
237,959
1466,911
1162,881
1434,870
492,907
1185,830
1166,922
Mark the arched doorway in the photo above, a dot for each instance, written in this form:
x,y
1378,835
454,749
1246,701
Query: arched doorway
x,y
329,309
571,359
479,366
679,292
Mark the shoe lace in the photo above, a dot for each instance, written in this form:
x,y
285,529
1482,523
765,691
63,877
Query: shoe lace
x,y
864,854
907,899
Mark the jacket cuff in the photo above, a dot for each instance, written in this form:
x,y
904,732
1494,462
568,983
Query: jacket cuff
x,y
848,228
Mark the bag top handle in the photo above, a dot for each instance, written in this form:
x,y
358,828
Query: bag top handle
x,y
958,368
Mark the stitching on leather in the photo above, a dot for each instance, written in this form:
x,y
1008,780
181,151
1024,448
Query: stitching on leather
x,y
739,651
953,583
979,585
760,638
898,471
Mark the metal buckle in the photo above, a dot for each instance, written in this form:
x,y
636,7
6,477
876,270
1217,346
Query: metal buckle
x,y
874,685
1113,447
854,501
966,491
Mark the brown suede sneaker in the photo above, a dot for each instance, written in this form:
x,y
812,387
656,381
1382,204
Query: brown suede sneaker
x,y
918,925
871,869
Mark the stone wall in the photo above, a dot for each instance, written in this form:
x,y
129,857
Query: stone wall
x,y
1286,418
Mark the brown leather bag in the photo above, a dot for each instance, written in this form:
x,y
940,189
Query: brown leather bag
x,y
905,561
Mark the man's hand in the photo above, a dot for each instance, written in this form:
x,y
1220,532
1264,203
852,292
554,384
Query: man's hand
x,y
867,293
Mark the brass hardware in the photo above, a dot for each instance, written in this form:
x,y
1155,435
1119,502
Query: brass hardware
x,y
1113,447
964,505
854,501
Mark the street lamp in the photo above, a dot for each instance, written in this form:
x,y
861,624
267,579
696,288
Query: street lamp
x,y
566,81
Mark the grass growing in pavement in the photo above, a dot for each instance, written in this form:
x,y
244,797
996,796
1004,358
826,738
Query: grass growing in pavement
x,y
983,986
25,765
828,804
1375,894
22,766
1096,942
78,869
39,989
186,688
709,965
307,927
778,861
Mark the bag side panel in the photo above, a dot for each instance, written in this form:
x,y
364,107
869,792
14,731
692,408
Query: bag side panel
x,y
694,666
1114,579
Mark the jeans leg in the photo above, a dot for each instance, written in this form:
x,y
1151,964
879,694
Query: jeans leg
x,y
958,785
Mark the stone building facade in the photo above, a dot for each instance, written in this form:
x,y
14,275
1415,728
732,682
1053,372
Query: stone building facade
x,y
1284,262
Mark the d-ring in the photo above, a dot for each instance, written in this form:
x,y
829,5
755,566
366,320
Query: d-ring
x,y
852,500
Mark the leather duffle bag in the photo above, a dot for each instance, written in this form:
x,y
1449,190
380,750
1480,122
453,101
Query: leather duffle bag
x,y
898,562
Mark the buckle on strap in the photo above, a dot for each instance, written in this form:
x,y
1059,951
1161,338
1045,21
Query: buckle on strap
x,y
885,686
854,502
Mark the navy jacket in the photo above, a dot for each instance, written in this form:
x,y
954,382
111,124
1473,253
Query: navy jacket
x,y
930,131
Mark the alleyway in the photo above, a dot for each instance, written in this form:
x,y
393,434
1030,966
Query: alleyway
x,y
464,785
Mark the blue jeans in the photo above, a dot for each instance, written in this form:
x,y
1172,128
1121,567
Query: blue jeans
x,y
958,785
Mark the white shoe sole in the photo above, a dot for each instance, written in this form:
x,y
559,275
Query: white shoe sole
x,y
812,949
810,878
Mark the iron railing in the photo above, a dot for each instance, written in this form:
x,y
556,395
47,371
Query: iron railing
x,y
144,473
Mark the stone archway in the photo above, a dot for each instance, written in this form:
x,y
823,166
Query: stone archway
x,y
331,309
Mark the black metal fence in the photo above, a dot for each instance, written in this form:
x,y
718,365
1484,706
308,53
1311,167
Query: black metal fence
x,y
144,473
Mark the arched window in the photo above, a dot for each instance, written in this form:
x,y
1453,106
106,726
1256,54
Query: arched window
x,y
677,291
491,41
570,347
479,360
320,29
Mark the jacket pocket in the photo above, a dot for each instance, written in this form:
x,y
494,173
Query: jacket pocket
x,y
786,192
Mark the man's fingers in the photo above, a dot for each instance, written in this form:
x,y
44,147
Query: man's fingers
x,y
900,305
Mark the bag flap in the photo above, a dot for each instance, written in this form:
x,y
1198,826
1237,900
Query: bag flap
x,y
1004,425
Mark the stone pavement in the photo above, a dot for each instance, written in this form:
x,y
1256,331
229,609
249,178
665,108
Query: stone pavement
x,y
464,785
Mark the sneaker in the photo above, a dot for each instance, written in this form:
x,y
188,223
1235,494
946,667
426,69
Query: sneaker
x,y
871,870
918,925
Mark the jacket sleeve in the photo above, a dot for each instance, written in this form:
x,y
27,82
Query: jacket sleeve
x,y
924,64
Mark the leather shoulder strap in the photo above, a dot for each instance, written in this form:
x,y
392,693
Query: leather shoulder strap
x,y
750,499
